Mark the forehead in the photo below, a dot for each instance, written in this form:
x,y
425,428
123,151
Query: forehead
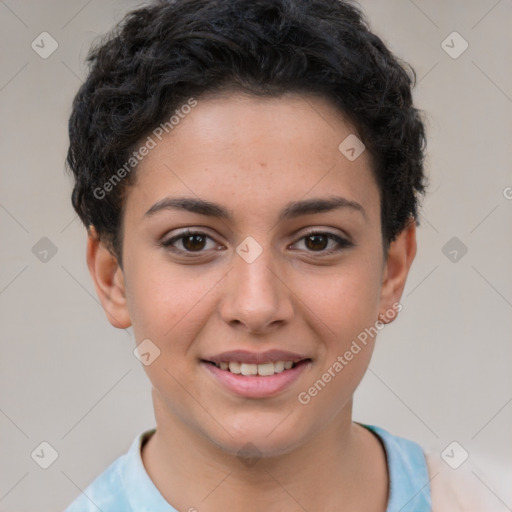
x,y
255,154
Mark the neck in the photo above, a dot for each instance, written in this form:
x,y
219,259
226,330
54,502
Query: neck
x,y
338,464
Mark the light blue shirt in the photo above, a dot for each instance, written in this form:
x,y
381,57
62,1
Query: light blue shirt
x,y
125,485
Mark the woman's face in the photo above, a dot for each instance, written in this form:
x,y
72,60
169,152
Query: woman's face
x,y
253,288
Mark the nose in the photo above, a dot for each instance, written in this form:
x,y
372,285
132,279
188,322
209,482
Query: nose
x,y
256,296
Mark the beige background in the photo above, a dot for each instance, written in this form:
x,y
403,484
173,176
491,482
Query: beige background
x,y
440,373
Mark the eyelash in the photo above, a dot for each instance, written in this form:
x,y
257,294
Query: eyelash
x,y
342,242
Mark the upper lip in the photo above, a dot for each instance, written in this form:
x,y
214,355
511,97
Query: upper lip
x,y
244,356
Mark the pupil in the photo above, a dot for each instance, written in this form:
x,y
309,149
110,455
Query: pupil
x,y
315,239
194,246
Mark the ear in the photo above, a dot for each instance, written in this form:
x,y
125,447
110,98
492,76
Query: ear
x,y
108,280
400,256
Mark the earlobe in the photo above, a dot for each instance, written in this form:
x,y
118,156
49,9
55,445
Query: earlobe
x,y
400,256
108,280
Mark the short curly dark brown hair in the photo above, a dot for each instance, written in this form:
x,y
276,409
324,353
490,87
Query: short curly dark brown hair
x,y
163,54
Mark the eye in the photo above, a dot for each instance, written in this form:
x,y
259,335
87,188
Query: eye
x,y
197,242
190,241
318,241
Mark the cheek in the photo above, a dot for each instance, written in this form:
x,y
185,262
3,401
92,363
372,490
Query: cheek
x,y
344,302
346,308
165,301
169,306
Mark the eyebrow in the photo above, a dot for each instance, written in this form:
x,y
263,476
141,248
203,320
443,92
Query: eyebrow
x,y
292,210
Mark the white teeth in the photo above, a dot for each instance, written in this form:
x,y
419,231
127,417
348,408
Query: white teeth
x,y
249,369
279,366
234,367
264,369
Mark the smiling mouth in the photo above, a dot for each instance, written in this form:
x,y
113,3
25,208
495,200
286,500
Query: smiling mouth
x,y
263,369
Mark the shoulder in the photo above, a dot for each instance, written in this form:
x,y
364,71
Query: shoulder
x,y
112,490
105,493
462,488
459,490
409,489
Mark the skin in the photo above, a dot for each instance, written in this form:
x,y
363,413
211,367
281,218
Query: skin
x,y
253,156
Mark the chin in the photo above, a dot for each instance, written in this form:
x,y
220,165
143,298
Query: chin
x,y
255,436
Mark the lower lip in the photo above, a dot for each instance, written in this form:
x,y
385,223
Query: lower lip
x,y
256,386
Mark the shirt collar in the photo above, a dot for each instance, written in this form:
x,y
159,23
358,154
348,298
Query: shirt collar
x,y
408,475
141,492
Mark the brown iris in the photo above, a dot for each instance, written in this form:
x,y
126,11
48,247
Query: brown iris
x,y
319,242
194,242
